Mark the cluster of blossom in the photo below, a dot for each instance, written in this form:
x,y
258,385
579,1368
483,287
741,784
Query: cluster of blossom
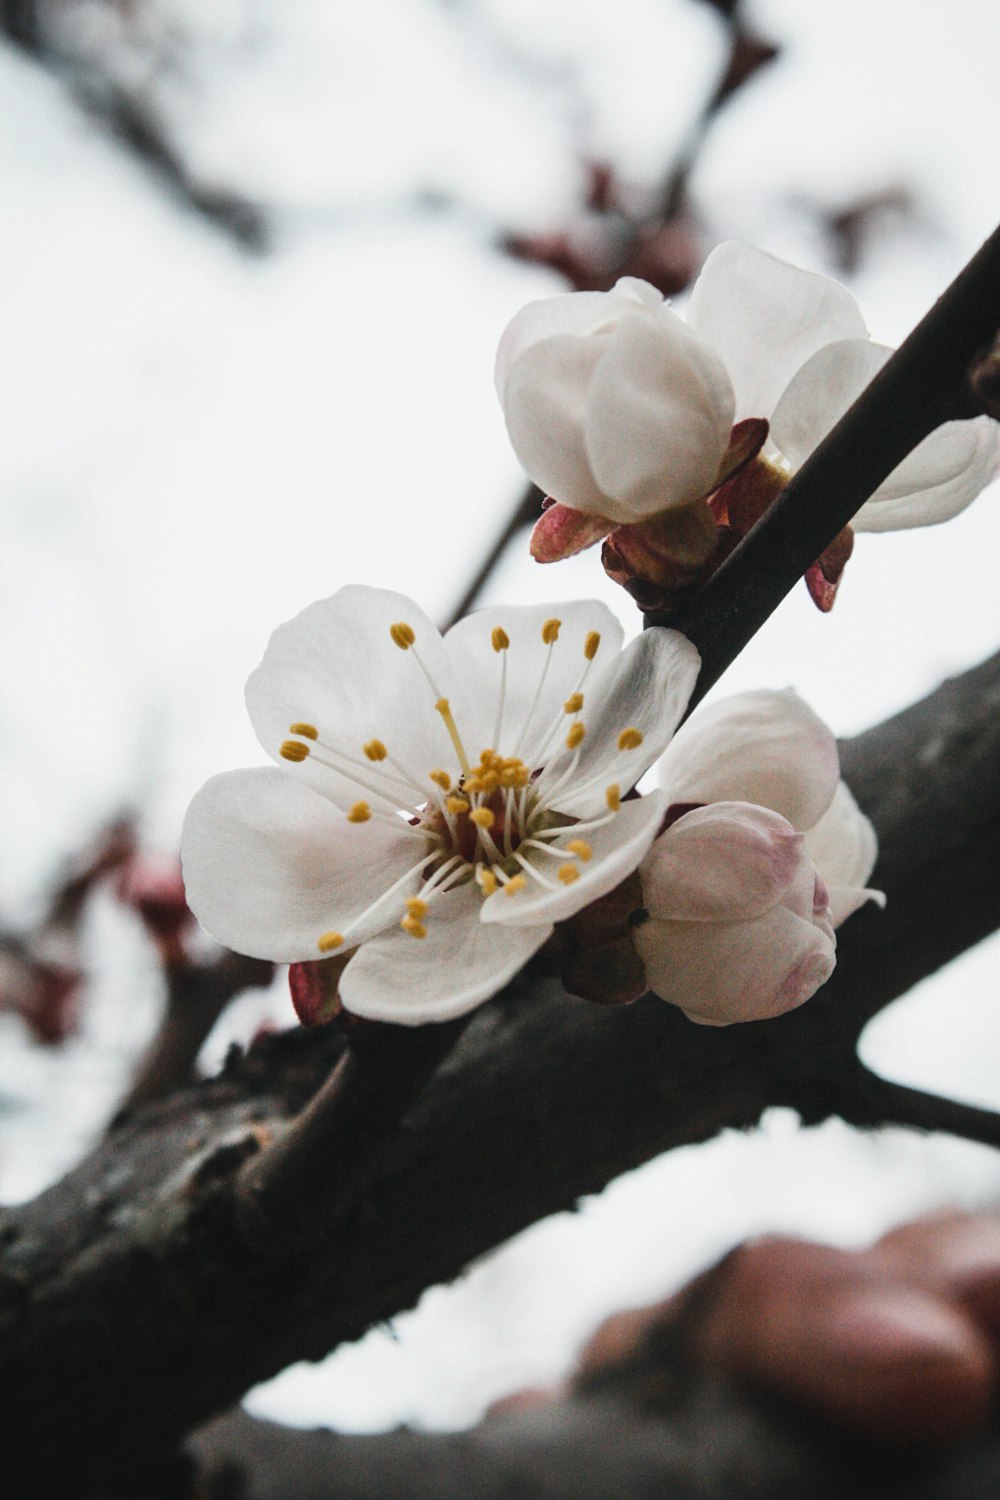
x,y
441,803
656,432
442,806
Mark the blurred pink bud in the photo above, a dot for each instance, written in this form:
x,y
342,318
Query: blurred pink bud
x,y
154,887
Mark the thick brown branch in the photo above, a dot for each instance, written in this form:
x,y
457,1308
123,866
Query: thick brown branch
x,y
713,1441
380,1074
131,1308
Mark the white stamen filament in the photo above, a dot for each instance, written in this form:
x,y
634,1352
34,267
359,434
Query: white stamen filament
x,y
529,869
396,886
349,774
498,725
535,700
554,850
551,790
575,828
560,719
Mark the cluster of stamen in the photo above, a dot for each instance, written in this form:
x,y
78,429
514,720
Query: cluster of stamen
x,y
485,823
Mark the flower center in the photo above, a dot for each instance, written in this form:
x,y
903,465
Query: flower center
x,y
491,821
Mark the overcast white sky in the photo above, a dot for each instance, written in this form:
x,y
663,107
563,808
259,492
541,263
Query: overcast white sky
x,y
196,443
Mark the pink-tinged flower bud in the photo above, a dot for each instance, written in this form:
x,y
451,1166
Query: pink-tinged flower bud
x,y
768,953
154,887
744,891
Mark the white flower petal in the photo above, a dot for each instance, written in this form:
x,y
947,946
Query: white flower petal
x,y
936,481
721,972
659,411
939,479
655,679
820,393
336,667
766,318
579,313
460,963
544,405
617,849
843,847
270,865
469,644
729,861
765,747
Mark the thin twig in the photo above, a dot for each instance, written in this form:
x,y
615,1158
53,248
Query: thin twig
x,y
196,997
525,512
878,1102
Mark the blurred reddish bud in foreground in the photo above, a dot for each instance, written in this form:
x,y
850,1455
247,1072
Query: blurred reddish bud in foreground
x,y
46,995
606,238
152,886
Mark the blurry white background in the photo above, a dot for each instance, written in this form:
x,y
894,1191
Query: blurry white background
x,y
197,440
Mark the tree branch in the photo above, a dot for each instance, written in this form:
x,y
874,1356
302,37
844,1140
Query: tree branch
x,y
132,122
379,1075
196,997
130,1305
700,1439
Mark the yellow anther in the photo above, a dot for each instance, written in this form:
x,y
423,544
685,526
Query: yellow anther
x,y
482,817
416,908
515,883
375,750
629,739
613,796
402,634
575,736
293,750
573,703
568,873
580,848
457,805
441,779
591,644
359,813
413,927
488,881
329,941
307,731
550,631
500,638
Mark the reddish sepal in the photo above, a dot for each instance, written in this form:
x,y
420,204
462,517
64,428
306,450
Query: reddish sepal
x,y
824,577
562,531
313,988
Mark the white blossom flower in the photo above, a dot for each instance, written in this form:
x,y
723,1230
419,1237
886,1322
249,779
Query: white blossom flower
x,y
766,853
439,803
619,409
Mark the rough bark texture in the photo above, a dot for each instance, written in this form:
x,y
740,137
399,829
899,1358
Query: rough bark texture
x,y
132,1309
